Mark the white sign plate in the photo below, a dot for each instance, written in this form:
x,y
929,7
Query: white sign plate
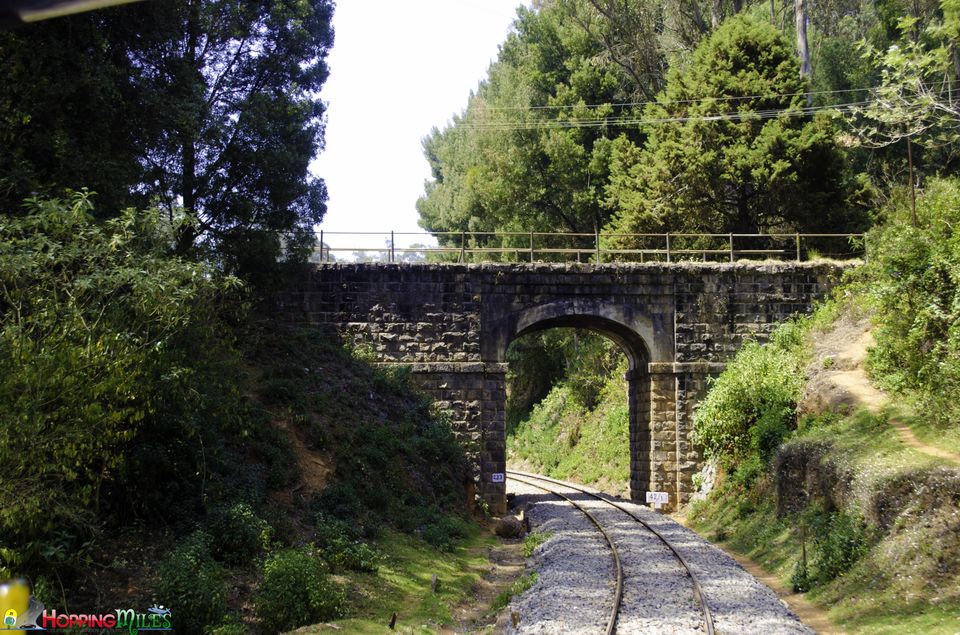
x,y
658,498
497,477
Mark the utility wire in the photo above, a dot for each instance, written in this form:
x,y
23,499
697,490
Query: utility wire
x,y
638,121
627,104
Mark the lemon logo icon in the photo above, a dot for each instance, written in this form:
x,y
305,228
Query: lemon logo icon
x,y
14,601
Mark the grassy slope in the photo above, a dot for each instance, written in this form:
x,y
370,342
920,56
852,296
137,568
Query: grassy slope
x,y
403,586
354,417
563,439
908,580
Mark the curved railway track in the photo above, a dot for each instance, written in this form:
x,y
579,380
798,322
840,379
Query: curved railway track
x,y
534,480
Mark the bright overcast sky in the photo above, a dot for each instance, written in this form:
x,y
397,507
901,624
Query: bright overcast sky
x,y
397,69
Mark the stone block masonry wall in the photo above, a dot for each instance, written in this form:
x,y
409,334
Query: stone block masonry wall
x,y
678,323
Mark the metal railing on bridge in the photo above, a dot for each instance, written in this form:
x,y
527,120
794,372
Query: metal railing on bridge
x,y
531,247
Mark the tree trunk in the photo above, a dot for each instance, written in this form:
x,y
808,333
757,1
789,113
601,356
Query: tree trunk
x,y
716,13
806,70
188,149
773,13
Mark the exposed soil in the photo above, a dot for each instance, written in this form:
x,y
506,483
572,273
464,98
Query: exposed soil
x,y
809,614
837,379
477,613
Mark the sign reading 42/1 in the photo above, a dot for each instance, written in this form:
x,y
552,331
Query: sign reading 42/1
x,y
658,498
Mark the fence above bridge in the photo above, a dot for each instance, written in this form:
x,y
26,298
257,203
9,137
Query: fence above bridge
x,y
532,246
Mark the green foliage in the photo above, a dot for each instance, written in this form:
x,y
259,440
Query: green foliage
x,y
533,540
800,580
393,456
742,174
749,409
518,587
339,544
912,280
295,591
562,438
581,359
208,105
839,540
192,582
444,532
99,333
501,165
914,98
239,535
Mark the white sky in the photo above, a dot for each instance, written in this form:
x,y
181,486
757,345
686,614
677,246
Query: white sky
x,y
397,68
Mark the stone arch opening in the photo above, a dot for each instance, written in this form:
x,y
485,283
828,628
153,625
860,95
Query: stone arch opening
x,y
635,335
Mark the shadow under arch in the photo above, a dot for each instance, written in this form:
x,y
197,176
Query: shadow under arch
x,y
640,338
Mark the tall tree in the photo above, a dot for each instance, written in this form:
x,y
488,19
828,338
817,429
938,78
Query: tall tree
x,y
214,104
715,161
517,159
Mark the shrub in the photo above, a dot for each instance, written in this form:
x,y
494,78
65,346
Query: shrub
x,y
750,407
229,629
338,542
239,535
444,532
913,280
840,539
192,582
106,343
357,556
295,591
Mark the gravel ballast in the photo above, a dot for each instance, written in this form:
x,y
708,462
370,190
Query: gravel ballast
x,y
575,589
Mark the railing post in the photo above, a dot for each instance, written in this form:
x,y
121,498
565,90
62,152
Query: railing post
x,y
531,248
668,246
393,255
463,246
731,247
321,246
798,247
596,244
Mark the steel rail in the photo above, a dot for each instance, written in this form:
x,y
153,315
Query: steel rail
x,y
618,597
697,589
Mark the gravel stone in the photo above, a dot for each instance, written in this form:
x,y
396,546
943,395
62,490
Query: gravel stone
x,y
576,585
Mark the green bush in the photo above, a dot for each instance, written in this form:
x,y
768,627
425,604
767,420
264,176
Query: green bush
x,y
339,544
913,280
357,556
191,581
840,539
444,532
295,591
112,359
750,407
239,535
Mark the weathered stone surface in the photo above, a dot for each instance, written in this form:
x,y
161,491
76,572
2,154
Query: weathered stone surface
x,y
677,323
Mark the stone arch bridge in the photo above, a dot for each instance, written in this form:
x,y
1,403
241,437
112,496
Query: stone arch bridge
x,y
452,323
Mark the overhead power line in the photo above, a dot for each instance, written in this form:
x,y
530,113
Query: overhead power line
x,y
668,102
618,121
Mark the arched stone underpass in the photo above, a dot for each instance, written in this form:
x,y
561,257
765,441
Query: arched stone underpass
x,y
677,323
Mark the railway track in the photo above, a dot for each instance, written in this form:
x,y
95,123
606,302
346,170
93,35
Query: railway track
x,y
544,484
